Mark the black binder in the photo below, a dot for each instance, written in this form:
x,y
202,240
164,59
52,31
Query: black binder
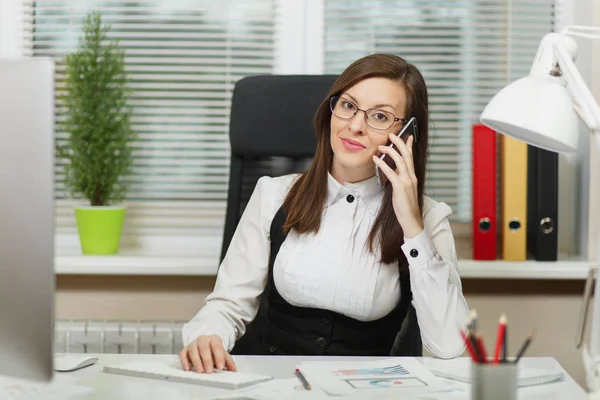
x,y
542,204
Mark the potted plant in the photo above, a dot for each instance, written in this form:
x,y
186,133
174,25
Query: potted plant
x,y
97,151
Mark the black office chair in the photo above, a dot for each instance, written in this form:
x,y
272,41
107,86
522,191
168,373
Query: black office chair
x,y
272,133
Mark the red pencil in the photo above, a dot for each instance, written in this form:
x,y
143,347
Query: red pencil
x,y
470,347
500,338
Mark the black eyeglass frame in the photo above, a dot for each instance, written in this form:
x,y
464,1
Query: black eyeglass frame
x,y
334,99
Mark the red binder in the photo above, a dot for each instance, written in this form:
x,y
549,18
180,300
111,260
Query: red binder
x,y
484,193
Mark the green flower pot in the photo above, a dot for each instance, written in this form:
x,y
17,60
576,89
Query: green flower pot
x,y
100,228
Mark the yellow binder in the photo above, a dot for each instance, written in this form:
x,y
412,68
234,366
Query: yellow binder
x,y
513,173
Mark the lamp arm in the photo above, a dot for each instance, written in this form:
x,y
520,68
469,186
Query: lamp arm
x,y
590,354
587,32
587,107
567,30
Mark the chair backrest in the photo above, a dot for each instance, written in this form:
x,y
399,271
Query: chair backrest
x,y
271,133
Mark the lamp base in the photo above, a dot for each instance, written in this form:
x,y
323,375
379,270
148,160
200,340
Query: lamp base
x,y
592,372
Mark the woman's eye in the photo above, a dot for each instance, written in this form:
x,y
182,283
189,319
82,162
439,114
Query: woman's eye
x,y
348,105
380,116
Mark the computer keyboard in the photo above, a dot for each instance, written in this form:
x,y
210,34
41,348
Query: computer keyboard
x,y
174,373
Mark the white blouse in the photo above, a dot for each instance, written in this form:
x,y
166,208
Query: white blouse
x,y
334,269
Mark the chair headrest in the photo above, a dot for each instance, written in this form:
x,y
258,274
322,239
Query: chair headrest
x,y
272,115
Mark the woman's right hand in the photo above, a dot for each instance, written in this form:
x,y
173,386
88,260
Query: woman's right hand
x,y
205,354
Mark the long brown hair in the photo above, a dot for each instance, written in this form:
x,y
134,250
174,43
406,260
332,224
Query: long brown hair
x,y
307,197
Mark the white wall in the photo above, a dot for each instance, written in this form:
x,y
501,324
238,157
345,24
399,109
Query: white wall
x,y
11,28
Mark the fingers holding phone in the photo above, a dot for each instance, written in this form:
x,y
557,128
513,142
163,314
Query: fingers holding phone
x,y
405,196
406,153
401,154
401,142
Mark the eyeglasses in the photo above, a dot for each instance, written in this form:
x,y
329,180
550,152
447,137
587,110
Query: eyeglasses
x,y
376,119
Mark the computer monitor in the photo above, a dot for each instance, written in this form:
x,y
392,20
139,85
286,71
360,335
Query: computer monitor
x,y
26,218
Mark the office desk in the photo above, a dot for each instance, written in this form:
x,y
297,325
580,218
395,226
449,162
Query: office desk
x,y
110,386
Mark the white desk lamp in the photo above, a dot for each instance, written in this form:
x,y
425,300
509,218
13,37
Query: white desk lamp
x,y
540,109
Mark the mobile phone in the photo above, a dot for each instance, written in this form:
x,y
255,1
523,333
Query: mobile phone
x,y
409,129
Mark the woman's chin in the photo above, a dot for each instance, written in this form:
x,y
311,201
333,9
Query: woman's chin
x,y
355,162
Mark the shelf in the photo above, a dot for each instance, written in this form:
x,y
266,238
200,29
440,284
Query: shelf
x,y
134,264
530,269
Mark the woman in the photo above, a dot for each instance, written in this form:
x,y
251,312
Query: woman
x,y
346,239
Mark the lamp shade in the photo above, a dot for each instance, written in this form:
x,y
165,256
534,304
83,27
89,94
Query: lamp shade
x,y
536,110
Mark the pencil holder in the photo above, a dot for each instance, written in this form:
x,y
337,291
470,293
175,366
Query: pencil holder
x,y
494,381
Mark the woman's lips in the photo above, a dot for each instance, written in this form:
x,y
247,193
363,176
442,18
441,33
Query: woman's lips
x,y
352,145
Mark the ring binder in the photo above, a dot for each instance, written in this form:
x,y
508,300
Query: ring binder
x,y
542,204
484,193
514,198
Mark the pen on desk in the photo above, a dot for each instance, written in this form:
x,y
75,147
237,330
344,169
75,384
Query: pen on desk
x,y
500,338
305,383
525,345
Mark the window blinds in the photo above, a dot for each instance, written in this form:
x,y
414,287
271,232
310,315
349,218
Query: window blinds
x,y
183,58
466,49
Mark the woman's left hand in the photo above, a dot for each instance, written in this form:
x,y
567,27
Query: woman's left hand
x,y
404,183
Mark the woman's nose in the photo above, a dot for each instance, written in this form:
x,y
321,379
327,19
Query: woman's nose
x,y
357,123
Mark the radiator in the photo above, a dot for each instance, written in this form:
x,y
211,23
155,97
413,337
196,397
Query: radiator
x,y
120,337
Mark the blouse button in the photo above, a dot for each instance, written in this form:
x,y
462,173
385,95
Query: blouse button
x,y
272,349
321,342
349,198
414,253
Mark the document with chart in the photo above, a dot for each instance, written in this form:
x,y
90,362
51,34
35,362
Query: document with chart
x,y
390,374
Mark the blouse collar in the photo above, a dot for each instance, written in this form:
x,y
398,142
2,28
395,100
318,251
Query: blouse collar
x,y
367,191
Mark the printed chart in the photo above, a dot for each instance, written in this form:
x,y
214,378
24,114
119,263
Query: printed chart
x,y
391,370
395,374
386,383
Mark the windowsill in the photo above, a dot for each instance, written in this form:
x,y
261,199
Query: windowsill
x,y
199,256
129,262
574,268
142,255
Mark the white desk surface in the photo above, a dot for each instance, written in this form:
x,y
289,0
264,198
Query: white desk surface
x,y
111,386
